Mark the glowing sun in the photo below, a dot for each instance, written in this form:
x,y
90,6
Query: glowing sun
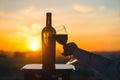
x,y
34,46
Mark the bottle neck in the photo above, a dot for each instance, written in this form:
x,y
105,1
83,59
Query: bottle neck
x,y
48,19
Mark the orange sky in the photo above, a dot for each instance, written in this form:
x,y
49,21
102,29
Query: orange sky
x,y
94,26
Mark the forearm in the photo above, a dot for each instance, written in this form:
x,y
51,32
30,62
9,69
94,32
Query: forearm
x,y
90,58
105,66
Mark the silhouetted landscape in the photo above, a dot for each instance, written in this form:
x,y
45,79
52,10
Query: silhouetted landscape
x,y
12,62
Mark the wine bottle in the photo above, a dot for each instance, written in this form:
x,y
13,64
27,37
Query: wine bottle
x,y
48,44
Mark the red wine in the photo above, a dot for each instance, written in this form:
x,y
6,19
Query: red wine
x,y
61,38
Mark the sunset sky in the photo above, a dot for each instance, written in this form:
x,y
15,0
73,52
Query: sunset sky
x,y
93,24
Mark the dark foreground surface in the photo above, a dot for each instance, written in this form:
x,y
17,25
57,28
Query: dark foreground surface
x,y
82,73
10,66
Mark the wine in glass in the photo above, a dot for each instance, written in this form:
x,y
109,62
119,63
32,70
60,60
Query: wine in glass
x,y
61,35
61,38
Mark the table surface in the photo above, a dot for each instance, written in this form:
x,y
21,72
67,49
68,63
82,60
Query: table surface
x,y
39,66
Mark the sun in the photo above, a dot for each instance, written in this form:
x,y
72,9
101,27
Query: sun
x,y
34,46
34,43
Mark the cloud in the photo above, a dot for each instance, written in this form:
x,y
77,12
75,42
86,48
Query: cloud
x,y
101,8
82,8
27,13
27,21
34,30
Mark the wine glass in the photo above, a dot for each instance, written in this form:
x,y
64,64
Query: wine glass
x,y
61,38
61,35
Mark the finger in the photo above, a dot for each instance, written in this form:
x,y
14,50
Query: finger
x,y
64,54
67,46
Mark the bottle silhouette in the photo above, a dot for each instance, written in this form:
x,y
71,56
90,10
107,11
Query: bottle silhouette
x,y
48,44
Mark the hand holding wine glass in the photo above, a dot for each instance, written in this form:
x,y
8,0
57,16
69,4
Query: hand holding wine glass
x,y
69,50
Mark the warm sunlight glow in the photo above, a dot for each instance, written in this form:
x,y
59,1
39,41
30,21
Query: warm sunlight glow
x,y
96,26
34,43
34,46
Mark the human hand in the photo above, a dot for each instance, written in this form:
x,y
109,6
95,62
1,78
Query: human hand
x,y
69,49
